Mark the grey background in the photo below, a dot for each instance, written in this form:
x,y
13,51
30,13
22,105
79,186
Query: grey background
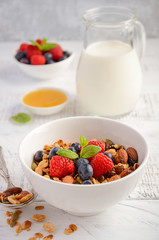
x,y
61,19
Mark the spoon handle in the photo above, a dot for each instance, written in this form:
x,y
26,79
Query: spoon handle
x,y
4,171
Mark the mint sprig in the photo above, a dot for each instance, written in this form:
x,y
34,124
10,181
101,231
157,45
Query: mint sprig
x,y
86,151
44,46
21,118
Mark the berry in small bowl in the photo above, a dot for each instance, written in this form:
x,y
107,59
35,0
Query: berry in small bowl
x,y
42,60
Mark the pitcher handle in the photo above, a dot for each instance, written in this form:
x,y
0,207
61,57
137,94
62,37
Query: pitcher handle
x,y
140,39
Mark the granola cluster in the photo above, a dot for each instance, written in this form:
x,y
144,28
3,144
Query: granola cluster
x,y
123,161
13,221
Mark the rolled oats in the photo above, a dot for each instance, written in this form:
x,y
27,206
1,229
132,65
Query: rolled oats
x,y
26,225
9,214
48,237
39,207
26,198
38,217
38,235
49,227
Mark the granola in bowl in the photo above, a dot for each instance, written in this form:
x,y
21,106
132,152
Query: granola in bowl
x,y
87,163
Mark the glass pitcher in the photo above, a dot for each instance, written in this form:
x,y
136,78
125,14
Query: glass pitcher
x,y
109,76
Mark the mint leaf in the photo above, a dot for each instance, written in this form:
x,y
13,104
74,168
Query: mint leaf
x,y
36,44
83,141
90,151
67,153
48,46
44,40
21,117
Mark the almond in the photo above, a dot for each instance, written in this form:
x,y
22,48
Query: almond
x,y
132,153
113,178
122,156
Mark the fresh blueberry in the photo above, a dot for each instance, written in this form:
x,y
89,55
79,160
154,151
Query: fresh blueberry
x,y
109,155
77,146
62,58
19,55
24,60
72,149
48,56
81,161
85,171
87,182
53,152
66,53
50,61
131,162
38,156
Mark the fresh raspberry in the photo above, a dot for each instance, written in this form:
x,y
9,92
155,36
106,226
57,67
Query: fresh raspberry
x,y
101,164
32,50
56,52
23,47
39,41
61,166
99,144
38,60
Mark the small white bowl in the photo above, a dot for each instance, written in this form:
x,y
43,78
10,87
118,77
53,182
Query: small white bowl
x,y
46,71
45,110
82,200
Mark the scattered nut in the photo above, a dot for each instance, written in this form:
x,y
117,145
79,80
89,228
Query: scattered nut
x,y
73,227
39,207
113,178
38,217
49,237
26,225
8,221
14,219
49,227
67,231
18,229
38,235
18,211
9,214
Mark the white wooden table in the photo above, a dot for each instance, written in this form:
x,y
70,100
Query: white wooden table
x,y
137,217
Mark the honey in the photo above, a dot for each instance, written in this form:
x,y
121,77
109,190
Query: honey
x,y
45,98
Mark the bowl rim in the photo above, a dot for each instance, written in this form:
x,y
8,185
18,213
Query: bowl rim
x,y
82,185
45,88
72,54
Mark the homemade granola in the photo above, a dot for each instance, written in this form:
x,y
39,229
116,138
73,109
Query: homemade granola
x,y
88,162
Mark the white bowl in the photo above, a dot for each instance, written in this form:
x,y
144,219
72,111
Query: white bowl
x,y
46,71
45,110
82,200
